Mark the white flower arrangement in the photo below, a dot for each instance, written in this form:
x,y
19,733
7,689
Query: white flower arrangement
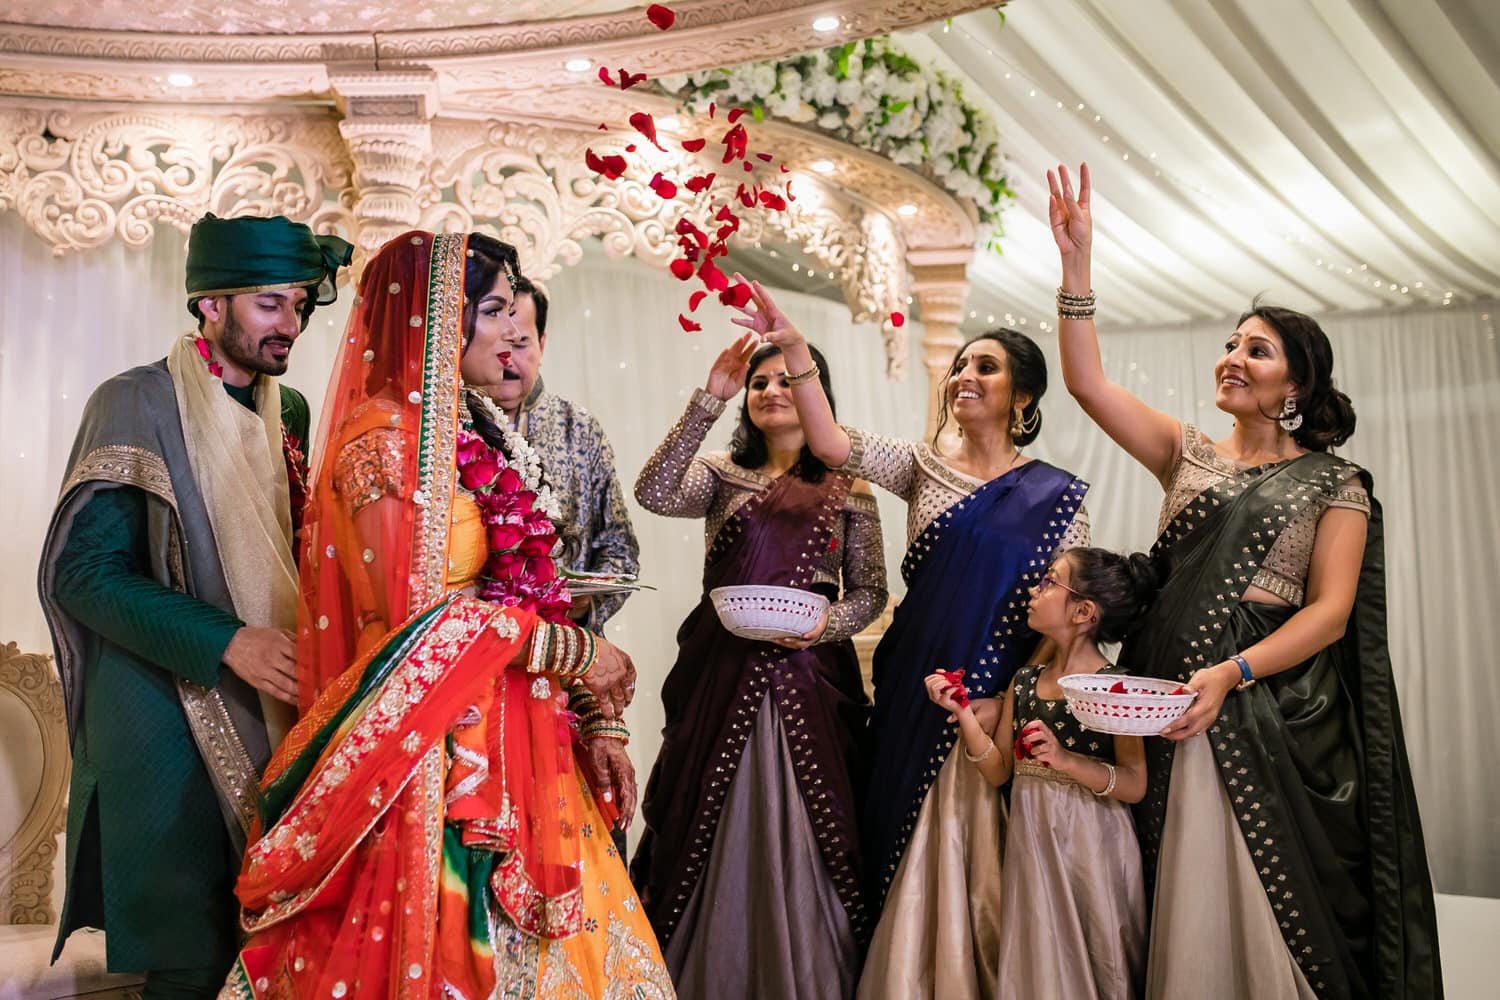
x,y
872,95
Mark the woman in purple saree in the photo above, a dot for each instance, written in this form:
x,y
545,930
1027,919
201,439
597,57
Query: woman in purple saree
x,y
749,867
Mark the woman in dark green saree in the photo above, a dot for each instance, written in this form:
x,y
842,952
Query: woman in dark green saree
x,y
1287,861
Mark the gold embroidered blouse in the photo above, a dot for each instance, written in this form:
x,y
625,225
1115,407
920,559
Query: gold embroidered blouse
x,y
1284,570
929,486
678,482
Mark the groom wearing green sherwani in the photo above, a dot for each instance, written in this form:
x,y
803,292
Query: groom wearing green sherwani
x,y
170,588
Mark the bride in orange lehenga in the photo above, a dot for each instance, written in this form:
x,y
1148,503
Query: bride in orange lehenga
x,y
427,828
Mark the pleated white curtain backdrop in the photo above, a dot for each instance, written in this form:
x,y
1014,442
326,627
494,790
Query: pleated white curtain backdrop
x,y
1424,385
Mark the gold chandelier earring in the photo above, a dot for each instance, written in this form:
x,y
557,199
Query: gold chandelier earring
x,y
1020,426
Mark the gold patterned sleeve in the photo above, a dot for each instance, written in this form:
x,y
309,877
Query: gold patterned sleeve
x,y
1077,536
884,461
370,467
673,482
1351,495
863,570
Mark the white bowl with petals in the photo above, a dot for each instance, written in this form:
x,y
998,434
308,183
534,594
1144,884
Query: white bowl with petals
x,y
765,612
1144,708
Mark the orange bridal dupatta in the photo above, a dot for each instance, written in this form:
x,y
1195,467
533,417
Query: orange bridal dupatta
x,y
427,780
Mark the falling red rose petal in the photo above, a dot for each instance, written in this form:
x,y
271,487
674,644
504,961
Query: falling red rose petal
x,y
746,198
735,141
685,228
698,185
734,115
603,127
664,188
784,169
630,148
735,295
773,201
688,326
695,299
662,17
693,145
628,79
682,270
767,157
897,319
646,126
711,108
604,75
611,166
712,276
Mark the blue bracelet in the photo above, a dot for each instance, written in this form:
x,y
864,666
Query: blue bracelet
x,y
1244,665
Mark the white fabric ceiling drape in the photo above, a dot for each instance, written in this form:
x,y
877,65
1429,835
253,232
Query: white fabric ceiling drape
x,y
1424,384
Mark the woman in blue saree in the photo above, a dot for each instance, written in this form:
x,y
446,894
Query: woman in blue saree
x,y
982,525
1288,859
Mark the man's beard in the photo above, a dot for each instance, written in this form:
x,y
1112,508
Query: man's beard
x,y
237,346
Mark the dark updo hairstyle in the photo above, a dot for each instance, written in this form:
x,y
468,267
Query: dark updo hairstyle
x,y
1327,414
748,447
487,259
1121,587
1028,376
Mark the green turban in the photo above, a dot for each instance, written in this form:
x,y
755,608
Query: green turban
x,y
248,254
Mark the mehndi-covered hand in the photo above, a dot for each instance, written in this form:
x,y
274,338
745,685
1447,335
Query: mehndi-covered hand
x,y
614,776
611,679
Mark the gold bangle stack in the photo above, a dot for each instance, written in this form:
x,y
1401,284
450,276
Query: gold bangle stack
x,y
591,720
806,376
1070,306
564,650
606,730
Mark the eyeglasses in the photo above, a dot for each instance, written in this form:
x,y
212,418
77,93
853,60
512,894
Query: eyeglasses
x,y
1048,582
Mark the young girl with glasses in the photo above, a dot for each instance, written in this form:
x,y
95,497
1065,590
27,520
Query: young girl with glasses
x,y
1073,908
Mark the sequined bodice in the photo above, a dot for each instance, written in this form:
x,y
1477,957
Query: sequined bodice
x,y
1069,731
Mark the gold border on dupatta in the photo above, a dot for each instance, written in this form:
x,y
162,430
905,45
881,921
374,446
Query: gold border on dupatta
x,y
446,641
436,470
234,774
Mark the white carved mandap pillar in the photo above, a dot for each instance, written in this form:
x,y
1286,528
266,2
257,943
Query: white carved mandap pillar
x,y
940,285
387,127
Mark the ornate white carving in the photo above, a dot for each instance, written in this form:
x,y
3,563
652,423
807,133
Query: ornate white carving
x,y
80,179
529,186
707,33
26,860
239,17
97,81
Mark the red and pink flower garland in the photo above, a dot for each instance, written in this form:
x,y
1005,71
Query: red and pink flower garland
x,y
519,571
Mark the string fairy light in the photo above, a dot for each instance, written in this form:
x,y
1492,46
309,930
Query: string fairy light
x,y
1326,260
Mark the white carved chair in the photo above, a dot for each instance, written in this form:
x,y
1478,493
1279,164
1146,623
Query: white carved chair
x,y
34,764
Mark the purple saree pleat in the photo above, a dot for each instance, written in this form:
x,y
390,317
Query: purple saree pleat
x,y
714,698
